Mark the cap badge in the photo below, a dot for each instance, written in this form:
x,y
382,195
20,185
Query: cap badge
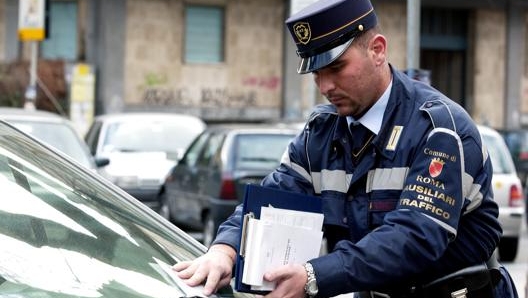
x,y
303,32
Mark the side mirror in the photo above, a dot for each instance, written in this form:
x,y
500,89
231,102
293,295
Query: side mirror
x,y
101,161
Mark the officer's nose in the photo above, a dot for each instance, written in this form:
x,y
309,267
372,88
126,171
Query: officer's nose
x,y
324,83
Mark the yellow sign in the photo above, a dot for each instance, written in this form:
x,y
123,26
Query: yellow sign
x,y
31,20
82,96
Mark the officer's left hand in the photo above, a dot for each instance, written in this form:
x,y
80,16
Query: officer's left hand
x,y
290,279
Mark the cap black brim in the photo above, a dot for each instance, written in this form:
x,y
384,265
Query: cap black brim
x,y
313,63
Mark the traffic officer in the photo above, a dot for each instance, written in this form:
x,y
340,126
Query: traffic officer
x,y
401,170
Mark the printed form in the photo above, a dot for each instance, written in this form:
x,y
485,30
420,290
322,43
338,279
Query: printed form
x,y
278,238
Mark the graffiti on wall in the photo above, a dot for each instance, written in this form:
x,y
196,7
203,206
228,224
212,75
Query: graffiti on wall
x,y
270,83
208,97
155,92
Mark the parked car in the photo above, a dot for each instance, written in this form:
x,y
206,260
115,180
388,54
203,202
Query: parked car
x,y
517,142
508,192
203,189
56,131
141,148
67,232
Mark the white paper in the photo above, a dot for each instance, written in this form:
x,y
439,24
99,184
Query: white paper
x,y
302,219
196,291
280,237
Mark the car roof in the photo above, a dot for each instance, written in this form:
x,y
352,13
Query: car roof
x,y
30,115
488,130
142,115
253,128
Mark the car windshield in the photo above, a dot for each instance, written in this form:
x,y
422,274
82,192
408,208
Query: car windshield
x,y
499,154
67,233
165,136
59,136
260,151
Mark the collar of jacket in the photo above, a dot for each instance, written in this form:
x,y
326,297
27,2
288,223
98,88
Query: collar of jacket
x,y
398,113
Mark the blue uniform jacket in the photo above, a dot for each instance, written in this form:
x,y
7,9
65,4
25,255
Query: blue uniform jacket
x,y
418,206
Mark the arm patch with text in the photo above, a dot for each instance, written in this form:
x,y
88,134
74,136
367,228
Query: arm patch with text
x,y
434,184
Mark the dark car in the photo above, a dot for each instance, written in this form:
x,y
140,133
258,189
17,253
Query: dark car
x,y
517,142
203,189
141,148
67,232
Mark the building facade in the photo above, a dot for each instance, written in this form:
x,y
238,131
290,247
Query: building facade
x,y
226,60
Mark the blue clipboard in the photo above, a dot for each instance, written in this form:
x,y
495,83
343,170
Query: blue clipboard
x,y
257,196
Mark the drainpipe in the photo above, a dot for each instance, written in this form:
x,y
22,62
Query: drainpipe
x,y
413,35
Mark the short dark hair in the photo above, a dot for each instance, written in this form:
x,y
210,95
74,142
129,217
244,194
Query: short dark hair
x,y
363,39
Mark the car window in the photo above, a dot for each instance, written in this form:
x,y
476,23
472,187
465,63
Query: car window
x,y
60,136
145,136
211,149
499,154
260,151
193,152
63,222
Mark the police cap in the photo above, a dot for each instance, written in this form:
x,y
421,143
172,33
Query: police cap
x,y
324,30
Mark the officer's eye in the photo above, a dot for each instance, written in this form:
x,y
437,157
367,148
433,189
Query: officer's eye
x,y
336,66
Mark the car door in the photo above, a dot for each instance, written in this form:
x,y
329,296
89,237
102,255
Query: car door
x,y
206,181
180,184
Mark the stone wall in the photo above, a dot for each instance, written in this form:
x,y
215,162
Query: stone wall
x,y
489,71
249,81
392,18
2,30
524,90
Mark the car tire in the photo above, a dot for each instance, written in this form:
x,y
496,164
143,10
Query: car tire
x,y
209,230
508,249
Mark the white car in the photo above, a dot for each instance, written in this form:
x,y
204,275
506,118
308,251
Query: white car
x,y
508,192
141,149
54,130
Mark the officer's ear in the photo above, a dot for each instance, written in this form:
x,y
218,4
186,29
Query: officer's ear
x,y
378,48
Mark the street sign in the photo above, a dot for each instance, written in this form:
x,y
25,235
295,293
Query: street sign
x,y
32,20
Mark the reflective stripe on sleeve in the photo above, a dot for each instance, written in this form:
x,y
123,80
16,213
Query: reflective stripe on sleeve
x,y
475,196
285,160
444,225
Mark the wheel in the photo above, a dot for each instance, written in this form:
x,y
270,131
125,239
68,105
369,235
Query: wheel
x,y
209,230
508,249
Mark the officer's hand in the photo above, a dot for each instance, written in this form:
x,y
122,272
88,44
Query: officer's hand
x,y
214,268
290,279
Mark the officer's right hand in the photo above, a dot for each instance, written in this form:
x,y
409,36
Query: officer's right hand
x,y
214,268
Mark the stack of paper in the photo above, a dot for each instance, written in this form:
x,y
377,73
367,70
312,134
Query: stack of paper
x,y
278,238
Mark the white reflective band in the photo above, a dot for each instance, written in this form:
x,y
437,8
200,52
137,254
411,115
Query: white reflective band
x,y
388,178
327,180
336,180
316,182
285,160
467,184
447,227
475,196
484,153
